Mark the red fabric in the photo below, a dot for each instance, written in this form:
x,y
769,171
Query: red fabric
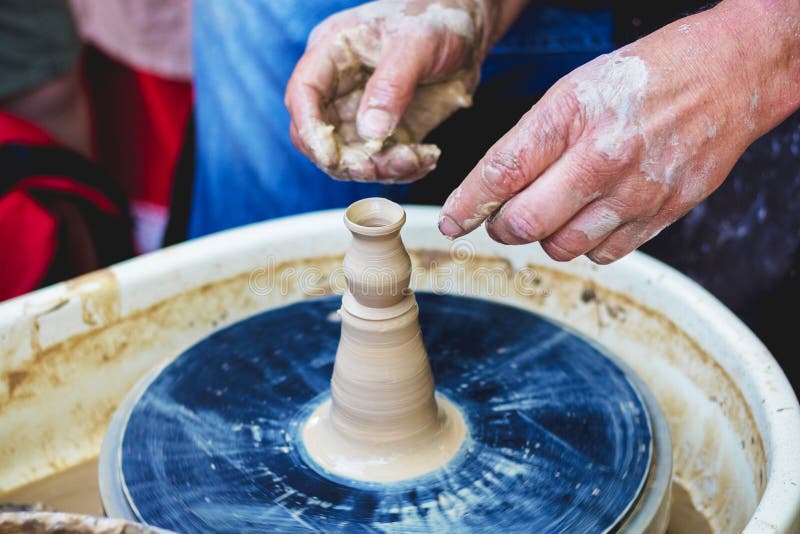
x,y
66,185
139,121
28,240
167,104
28,232
16,130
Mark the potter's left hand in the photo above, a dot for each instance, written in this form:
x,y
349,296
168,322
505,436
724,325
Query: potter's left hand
x,y
627,144
375,79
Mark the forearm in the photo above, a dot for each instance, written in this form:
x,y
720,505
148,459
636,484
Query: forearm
x,y
497,16
507,12
767,63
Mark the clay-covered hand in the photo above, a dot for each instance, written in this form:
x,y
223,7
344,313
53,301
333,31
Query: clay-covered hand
x,y
375,79
628,143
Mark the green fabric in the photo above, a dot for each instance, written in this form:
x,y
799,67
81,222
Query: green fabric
x,y
38,42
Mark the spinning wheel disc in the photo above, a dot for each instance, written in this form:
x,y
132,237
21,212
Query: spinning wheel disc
x,y
560,439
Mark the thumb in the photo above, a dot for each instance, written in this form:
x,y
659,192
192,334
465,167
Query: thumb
x,y
390,89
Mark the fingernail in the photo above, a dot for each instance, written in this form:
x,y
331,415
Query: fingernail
x,y
375,124
449,227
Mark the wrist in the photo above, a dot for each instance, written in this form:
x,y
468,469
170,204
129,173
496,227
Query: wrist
x,y
497,16
767,57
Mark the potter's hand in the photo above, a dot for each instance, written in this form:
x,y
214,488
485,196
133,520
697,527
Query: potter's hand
x,y
374,80
625,145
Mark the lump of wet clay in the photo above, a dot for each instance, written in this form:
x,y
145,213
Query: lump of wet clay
x,y
431,105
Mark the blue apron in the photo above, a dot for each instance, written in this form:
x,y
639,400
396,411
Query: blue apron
x,y
247,169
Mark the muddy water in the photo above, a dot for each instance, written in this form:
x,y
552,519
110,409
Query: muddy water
x,y
75,490
684,518
72,490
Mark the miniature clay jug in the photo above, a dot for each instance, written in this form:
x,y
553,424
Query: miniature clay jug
x,y
382,385
383,421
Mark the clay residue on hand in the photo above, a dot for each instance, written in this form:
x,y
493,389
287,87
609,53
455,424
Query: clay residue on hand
x,y
355,51
612,94
459,16
752,111
431,105
603,221
615,94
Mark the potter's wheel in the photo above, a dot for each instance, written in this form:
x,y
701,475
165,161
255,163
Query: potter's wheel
x,y
561,438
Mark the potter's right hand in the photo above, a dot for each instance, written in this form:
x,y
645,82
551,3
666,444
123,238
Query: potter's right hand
x,y
374,80
628,143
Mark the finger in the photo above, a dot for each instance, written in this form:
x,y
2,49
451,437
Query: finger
x,y
633,198
309,87
518,158
326,71
405,163
634,234
356,165
625,240
391,87
590,227
297,141
551,200
331,26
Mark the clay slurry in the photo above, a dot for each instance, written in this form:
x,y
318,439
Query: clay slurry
x,y
383,422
